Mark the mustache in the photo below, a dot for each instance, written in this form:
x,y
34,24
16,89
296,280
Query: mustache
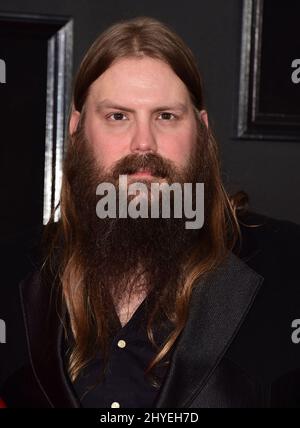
x,y
152,162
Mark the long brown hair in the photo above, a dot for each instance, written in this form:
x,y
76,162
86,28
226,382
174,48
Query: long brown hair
x,y
139,37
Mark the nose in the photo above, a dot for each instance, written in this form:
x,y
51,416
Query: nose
x,y
143,140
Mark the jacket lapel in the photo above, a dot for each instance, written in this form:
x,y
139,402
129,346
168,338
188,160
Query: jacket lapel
x,y
43,314
219,305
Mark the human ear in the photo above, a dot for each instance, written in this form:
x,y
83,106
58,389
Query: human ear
x,y
74,119
204,117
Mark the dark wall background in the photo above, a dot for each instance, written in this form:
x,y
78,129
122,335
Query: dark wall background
x,y
268,171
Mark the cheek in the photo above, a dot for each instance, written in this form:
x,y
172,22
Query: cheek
x,y
107,148
179,147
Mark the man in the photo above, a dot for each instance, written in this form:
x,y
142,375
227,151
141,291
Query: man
x,y
141,311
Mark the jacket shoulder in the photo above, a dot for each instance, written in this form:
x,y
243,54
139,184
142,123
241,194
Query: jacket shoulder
x,y
268,245
263,345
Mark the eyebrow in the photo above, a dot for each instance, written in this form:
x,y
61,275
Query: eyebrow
x,y
110,104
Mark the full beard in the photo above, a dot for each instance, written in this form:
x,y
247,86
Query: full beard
x,y
125,257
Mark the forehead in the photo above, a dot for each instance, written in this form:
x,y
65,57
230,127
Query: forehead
x,y
139,81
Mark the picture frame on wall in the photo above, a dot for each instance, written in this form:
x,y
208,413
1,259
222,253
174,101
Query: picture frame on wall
x,y
35,89
36,63
269,87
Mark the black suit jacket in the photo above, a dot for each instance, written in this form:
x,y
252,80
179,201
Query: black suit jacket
x,y
236,350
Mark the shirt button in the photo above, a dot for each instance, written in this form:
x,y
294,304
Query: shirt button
x,y
115,405
121,344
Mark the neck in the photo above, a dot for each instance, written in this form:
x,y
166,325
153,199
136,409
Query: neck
x,y
130,301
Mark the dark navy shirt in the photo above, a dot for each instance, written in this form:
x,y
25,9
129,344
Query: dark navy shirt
x,y
125,384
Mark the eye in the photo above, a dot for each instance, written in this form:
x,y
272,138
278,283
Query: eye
x,y
168,116
118,116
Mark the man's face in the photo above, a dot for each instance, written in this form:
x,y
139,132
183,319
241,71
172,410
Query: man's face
x,y
137,113
139,106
